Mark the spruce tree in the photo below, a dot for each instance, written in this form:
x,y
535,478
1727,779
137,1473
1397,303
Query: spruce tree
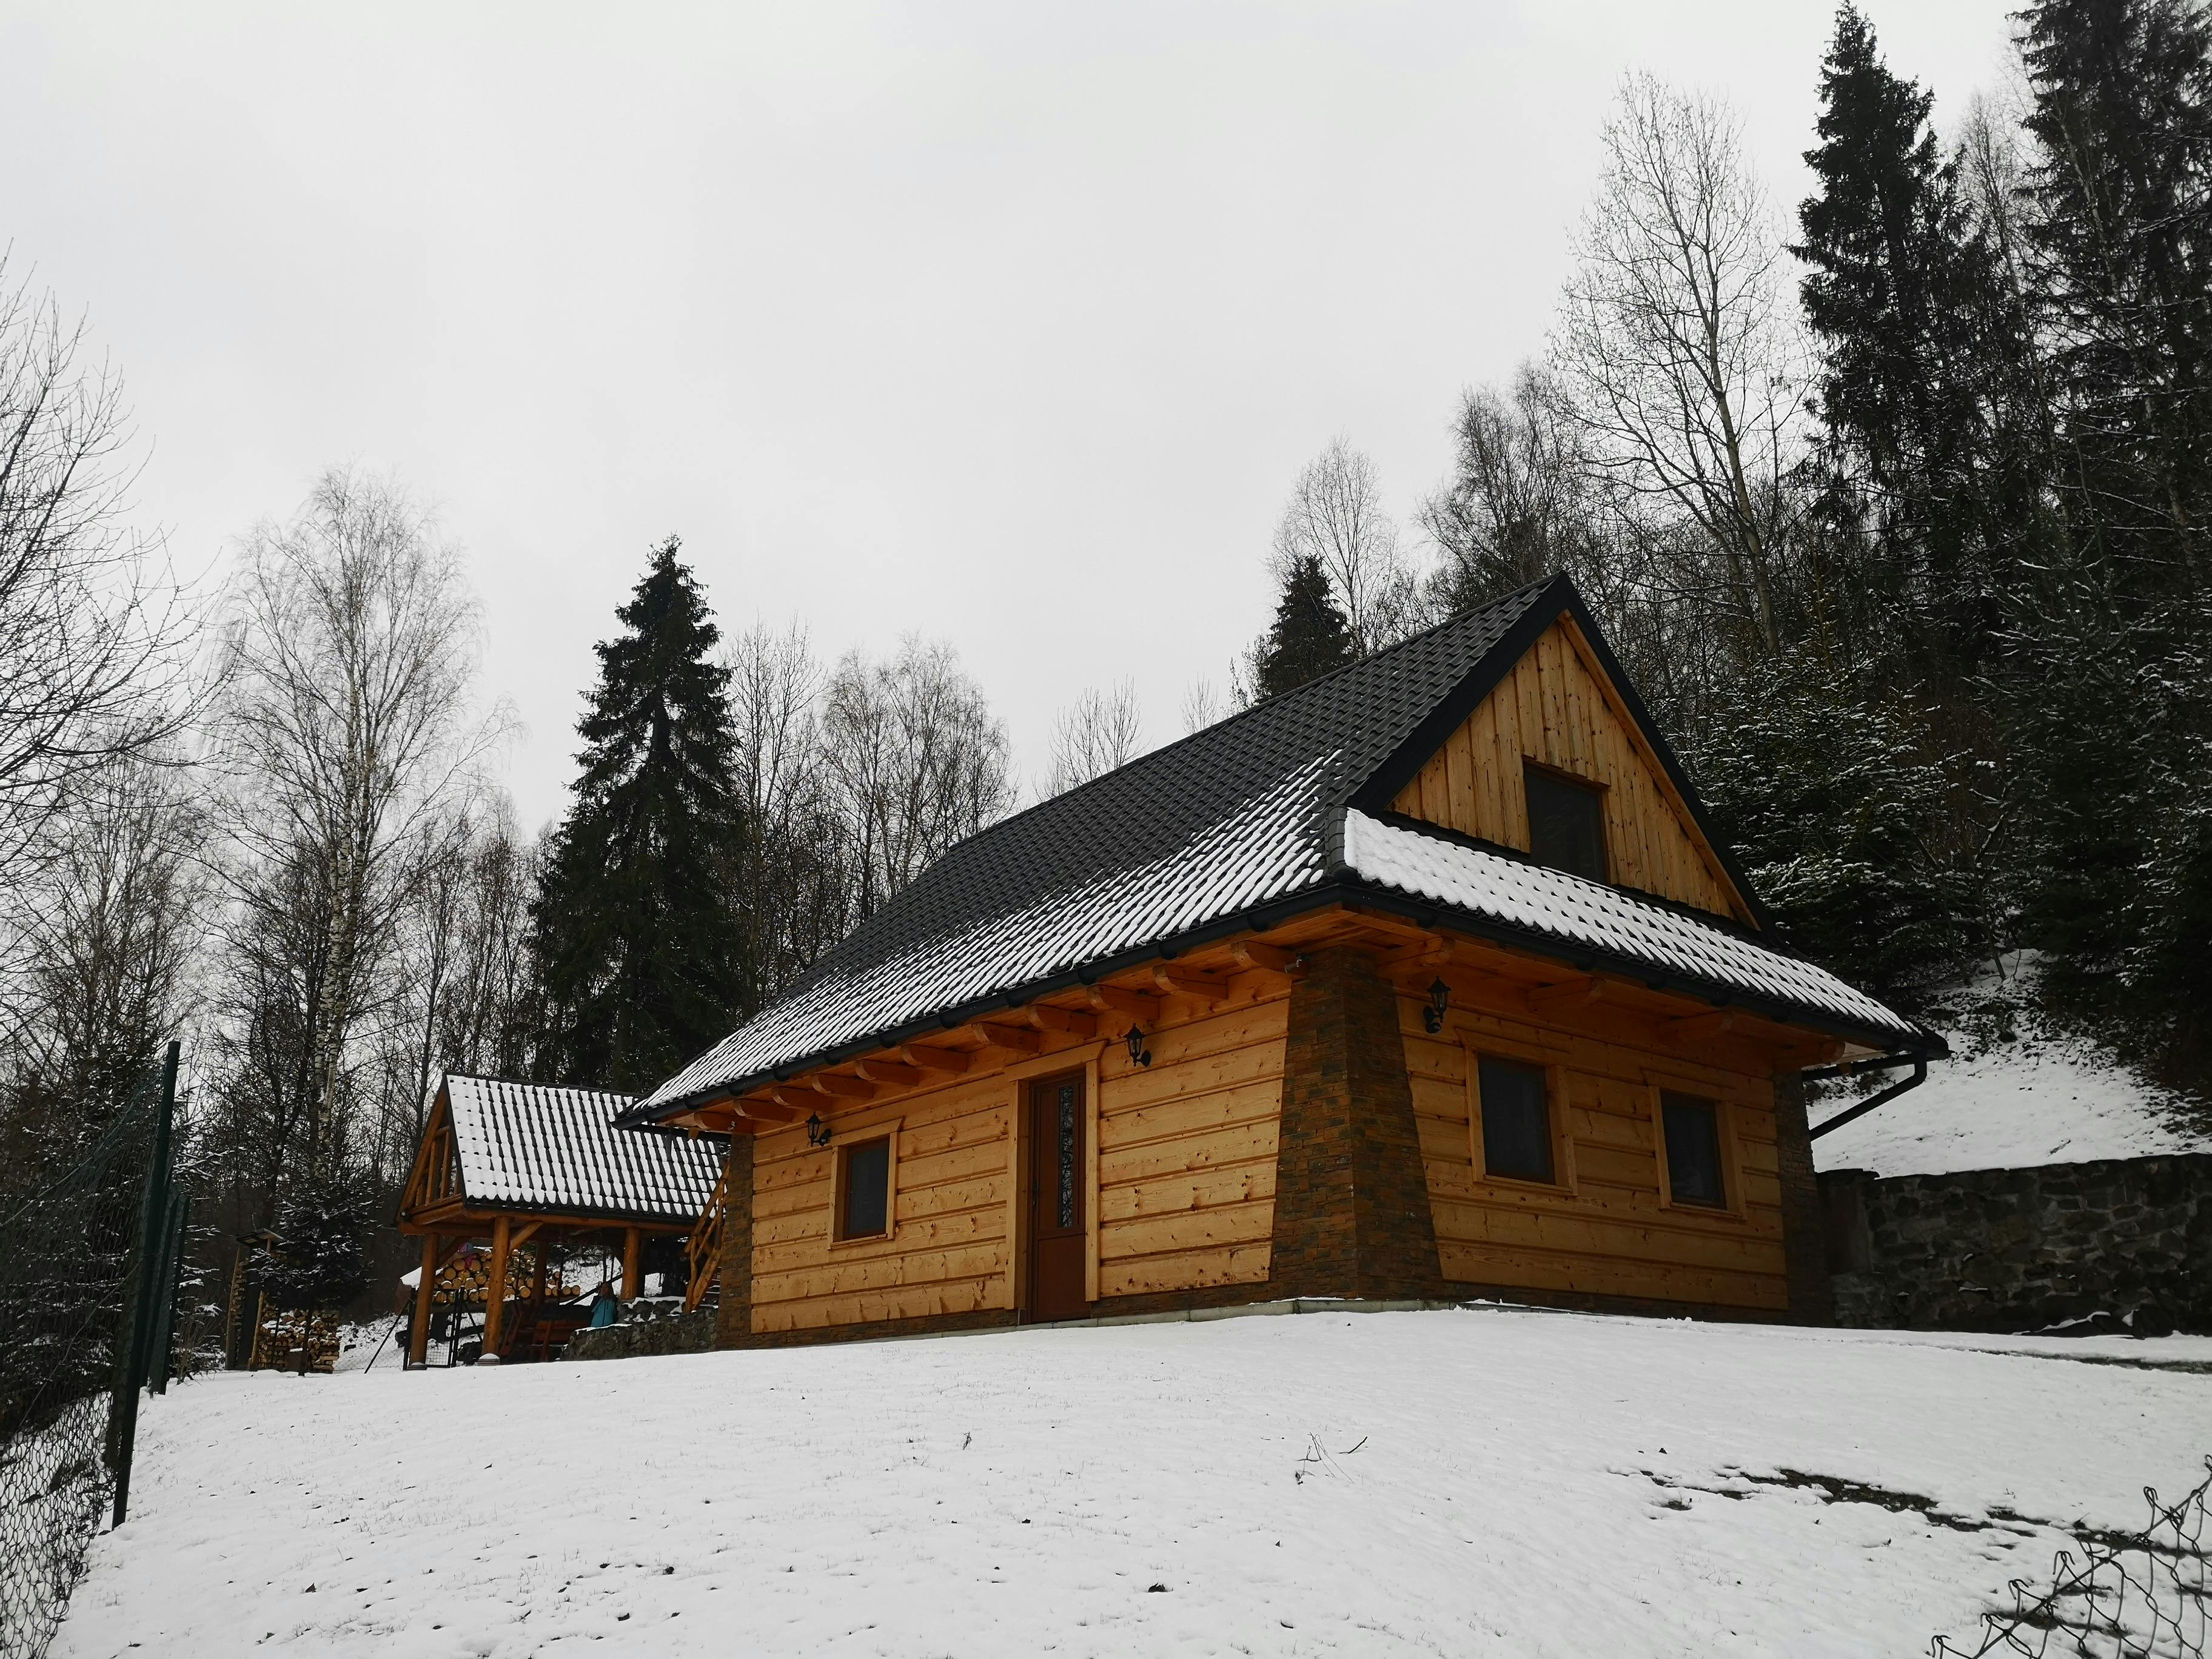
x,y
634,922
2122,228
1308,637
1892,295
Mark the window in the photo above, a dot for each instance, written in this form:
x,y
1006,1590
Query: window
x,y
864,1189
1566,823
1516,1120
1693,1131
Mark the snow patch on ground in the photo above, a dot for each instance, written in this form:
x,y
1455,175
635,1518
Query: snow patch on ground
x,y
1491,1481
2016,1093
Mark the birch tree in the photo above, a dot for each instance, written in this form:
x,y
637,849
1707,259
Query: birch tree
x,y
350,646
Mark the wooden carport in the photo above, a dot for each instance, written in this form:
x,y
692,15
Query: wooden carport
x,y
510,1165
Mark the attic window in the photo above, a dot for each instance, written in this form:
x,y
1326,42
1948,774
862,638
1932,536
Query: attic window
x,y
1566,821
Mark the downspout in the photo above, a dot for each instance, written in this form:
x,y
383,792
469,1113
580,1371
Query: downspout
x,y
1918,1062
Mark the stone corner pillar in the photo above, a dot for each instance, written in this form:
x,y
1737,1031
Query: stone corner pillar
x,y
1352,1215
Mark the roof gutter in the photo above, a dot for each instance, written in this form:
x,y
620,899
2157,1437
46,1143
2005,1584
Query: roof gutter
x,y
1424,913
1918,1062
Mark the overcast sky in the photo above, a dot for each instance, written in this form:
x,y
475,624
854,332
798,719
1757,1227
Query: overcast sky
x,y
1007,324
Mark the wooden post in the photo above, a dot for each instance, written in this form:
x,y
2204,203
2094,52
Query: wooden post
x,y
633,1281
418,1324
496,1292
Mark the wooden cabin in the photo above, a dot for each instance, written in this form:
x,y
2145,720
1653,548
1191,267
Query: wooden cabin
x,y
520,1167
1428,980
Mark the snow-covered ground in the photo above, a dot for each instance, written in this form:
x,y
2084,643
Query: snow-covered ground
x,y
1473,1481
2015,1093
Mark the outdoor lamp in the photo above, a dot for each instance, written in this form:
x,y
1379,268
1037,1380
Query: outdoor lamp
x,y
1432,1017
817,1132
1138,1055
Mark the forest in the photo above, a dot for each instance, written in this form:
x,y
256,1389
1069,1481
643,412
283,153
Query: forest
x,y
1896,501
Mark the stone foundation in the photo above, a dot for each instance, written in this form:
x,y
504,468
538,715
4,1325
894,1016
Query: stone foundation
x,y
2125,1244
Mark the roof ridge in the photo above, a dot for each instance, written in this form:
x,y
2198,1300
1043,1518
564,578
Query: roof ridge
x,y
1252,709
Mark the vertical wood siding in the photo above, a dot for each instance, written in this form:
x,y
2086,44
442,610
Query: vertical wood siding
x,y
1609,1233
1554,709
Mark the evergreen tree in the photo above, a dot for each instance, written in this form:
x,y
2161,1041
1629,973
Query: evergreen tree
x,y
1308,637
634,922
2123,228
321,1258
1893,294
1841,819
2108,708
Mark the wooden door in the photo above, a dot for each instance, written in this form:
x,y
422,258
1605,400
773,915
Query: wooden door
x,y
1058,1226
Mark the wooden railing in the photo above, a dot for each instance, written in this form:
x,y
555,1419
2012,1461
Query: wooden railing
x,y
704,1246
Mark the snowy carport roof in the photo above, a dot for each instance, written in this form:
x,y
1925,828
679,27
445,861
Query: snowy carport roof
x,y
1237,826
529,1146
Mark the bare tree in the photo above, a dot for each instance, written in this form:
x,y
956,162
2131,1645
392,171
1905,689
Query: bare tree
x,y
1336,515
113,940
1518,507
795,880
1202,705
351,646
918,760
94,624
1676,342
1094,735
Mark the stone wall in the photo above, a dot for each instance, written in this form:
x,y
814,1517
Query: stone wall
x,y
676,1333
2122,1244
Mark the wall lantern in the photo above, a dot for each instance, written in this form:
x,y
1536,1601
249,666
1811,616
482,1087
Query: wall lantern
x,y
817,1132
1432,1016
1138,1055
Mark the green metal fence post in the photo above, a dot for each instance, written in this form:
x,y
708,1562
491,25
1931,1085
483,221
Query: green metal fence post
x,y
151,1213
171,1281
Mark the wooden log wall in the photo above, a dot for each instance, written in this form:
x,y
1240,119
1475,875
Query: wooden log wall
x,y
1185,1156
1554,709
951,1247
1606,1230
1187,1149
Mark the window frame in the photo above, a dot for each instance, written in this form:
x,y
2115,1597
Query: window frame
x,y
1596,789
1656,1090
840,1161
1555,1074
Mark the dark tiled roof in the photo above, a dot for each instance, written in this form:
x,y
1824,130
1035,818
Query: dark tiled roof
x,y
1246,815
528,1146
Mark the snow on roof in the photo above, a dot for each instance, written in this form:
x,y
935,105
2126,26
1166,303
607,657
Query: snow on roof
x,y
1265,850
1570,910
1194,838
528,1145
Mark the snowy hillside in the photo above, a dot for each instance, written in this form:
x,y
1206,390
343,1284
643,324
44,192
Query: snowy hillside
x,y
2015,1093
1455,1482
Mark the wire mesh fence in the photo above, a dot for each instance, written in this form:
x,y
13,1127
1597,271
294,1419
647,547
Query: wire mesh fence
x,y
87,1269
2131,1595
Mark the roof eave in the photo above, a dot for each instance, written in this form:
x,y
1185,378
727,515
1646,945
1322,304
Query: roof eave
x,y
1345,888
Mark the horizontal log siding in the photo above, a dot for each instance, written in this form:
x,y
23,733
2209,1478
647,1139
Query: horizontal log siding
x,y
1187,1151
1553,709
949,1252
1610,1235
